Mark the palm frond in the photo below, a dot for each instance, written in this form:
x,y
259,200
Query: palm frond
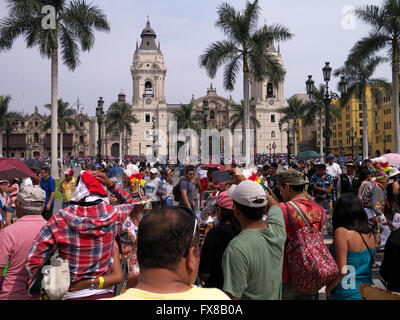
x,y
217,54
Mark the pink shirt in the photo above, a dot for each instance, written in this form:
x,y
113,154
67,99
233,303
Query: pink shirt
x,y
15,243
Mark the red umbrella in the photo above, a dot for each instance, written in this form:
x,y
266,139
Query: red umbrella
x,y
213,165
14,168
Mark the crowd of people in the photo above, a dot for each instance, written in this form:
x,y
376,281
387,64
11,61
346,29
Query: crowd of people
x,y
138,232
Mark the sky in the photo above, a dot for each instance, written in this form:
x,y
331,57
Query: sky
x,y
323,31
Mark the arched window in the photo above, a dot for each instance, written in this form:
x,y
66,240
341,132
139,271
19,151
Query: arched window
x,y
273,136
270,90
148,89
212,115
81,139
36,137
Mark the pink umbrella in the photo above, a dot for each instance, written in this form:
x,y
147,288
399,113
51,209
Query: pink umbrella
x,y
14,168
393,159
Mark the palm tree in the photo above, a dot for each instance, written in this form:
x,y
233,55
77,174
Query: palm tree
x,y
385,34
237,118
75,22
65,117
294,112
315,109
4,102
359,72
7,118
187,118
120,117
247,45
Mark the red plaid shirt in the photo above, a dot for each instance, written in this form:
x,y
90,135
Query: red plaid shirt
x,y
83,235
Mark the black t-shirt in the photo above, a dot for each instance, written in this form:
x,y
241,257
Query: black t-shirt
x,y
213,249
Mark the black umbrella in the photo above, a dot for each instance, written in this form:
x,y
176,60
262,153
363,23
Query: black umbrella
x,y
35,163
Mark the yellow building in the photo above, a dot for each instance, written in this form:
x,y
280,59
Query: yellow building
x,y
347,129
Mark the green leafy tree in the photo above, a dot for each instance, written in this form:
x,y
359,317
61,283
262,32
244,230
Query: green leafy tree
x,y
7,118
315,109
238,115
187,118
120,117
66,117
384,35
247,46
294,112
74,21
358,73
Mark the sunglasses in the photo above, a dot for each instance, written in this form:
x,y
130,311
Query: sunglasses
x,y
189,211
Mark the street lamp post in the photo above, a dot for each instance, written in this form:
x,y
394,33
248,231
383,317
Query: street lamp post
x,y
270,152
274,147
100,118
352,136
328,97
205,114
288,142
154,136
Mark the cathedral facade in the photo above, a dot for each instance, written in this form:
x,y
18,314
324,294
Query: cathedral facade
x,y
156,117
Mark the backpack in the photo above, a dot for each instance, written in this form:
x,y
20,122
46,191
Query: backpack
x,y
311,265
176,191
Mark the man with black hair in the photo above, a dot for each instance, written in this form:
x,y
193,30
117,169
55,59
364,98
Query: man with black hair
x,y
48,184
349,181
168,258
187,188
292,188
252,262
272,183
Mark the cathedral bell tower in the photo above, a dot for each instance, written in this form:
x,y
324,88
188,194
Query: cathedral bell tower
x,y
148,103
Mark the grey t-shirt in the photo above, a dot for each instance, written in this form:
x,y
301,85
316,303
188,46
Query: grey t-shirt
x,y
189,187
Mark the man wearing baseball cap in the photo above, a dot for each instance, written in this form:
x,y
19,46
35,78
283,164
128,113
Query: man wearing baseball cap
x,y
292,188
17,239
153,188
252,262
67,187
349,181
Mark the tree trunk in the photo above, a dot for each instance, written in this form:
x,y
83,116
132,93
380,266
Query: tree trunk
x,y
295,142
395,81
61,149
365,126
246,151
54,117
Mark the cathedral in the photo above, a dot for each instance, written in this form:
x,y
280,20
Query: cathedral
x,y
155,116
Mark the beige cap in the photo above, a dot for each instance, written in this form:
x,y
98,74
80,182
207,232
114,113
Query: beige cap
x,y
32,198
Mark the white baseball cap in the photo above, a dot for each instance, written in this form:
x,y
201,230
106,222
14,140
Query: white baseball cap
x,y
248,193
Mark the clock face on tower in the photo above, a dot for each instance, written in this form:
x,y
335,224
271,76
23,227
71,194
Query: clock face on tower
x,y
148,101
271,101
